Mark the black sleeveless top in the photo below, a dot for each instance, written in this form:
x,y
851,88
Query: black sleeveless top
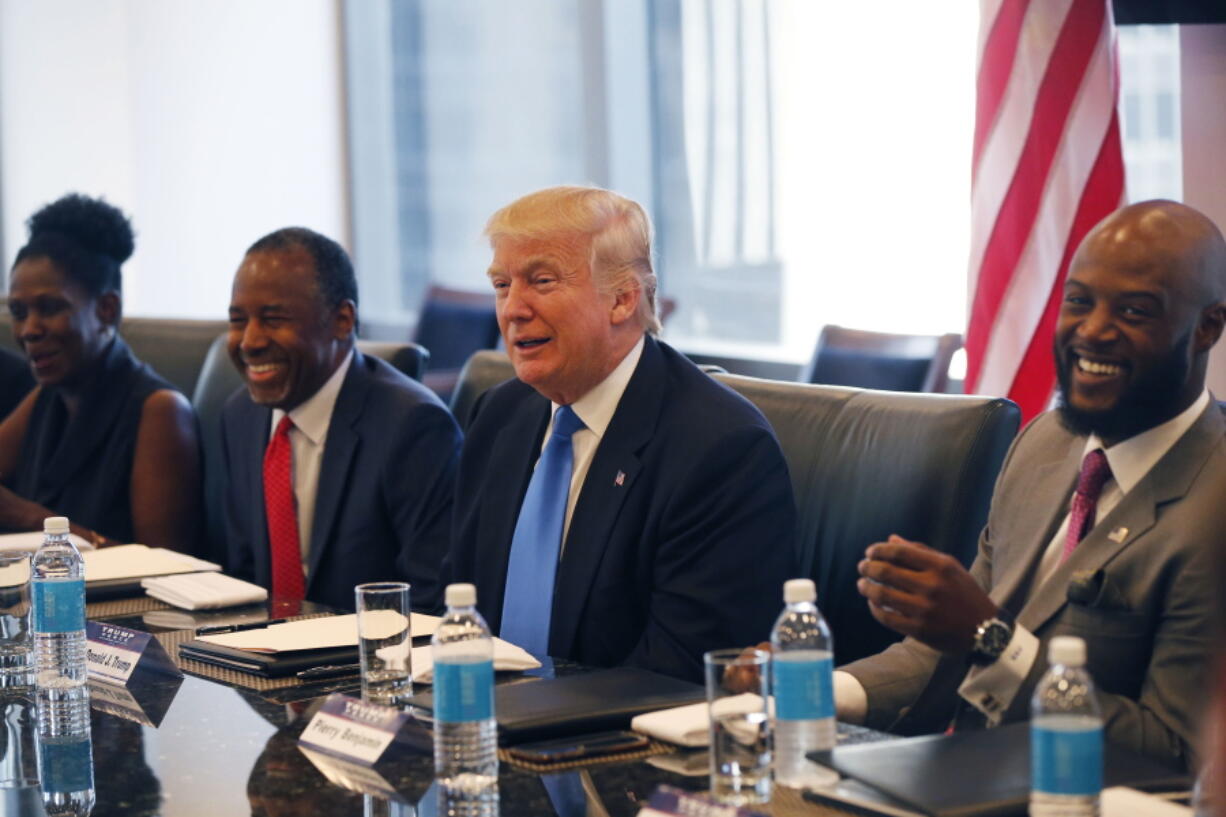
x,y
15,381
82,468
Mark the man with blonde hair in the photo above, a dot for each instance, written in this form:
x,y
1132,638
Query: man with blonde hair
x,y
615,505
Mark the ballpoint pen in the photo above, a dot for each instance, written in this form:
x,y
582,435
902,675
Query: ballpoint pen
x,y
329,671
238,628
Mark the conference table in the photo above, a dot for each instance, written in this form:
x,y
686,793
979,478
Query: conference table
x,y
206,747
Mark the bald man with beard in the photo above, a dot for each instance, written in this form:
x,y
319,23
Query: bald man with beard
x,y
1125,561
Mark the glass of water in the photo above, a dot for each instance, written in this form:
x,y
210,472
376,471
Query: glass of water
x,y
738,682
16,659
384,642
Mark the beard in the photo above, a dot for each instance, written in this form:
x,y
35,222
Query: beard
x,y
1152,399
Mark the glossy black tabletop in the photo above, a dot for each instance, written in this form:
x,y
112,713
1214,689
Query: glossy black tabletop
x,y
193,747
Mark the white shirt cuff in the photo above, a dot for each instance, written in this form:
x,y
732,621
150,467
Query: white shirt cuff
x,y
850,699
992,688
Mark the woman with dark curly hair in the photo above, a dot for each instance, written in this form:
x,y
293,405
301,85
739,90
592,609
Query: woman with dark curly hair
x,y
102,439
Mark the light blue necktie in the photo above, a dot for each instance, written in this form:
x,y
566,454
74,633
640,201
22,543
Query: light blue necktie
x,y
528,599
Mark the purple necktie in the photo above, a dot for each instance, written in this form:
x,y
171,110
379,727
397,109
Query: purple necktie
x,y
1094,474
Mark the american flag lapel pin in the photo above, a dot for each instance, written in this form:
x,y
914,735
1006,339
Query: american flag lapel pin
x,y
620,479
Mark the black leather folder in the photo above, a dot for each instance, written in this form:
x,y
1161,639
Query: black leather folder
x,y
266,665
983,773
580,704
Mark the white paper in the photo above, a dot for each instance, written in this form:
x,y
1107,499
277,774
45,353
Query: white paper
x,y
311,634
138,561
507,658
1120,801
690,725
30,541
203,591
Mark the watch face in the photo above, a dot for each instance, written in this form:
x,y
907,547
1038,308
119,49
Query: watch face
x,y
994,638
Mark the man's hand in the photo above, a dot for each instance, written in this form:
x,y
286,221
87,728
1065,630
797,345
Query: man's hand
x,y
923,593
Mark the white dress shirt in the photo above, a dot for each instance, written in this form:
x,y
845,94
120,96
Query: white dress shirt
x,y
311,419
596,410
992,688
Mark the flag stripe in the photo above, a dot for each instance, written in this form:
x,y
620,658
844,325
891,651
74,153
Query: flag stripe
x,y
1104,192
1019,209
995,68
1038,267
1007,136
1051,167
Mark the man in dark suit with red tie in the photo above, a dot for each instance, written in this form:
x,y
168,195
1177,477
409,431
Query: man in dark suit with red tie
x,y
614,505
1104,519
340,468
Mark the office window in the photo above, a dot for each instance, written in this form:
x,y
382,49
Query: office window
x,y
802,163
828,157
1149,113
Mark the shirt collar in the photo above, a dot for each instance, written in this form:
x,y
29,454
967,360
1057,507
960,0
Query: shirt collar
x,y
313,415
596,408
1131,459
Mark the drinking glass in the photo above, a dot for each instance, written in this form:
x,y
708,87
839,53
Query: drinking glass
x,y
16,658
384,642
738,683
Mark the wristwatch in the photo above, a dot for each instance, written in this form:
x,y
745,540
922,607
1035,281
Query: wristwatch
x,y
991,638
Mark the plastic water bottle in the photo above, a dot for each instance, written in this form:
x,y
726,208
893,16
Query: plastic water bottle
x,y
1066,736
57,596
803,665
465,733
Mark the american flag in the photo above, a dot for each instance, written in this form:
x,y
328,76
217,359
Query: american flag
x,y
1047,167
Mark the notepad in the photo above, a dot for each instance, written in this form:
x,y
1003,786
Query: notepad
x,y
320,633
139,561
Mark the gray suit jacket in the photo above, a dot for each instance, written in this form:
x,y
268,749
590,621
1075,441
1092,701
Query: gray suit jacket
x,y
1139,589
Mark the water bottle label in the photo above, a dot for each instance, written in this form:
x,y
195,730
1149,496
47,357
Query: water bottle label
x,y
463,691
804,689
1066,761
59,605
66,767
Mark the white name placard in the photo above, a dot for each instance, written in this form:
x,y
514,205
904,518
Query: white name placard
x,y
113,653
352,729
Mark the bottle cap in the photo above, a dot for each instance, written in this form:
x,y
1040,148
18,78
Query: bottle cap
x,y
1068,650
55,524
461,595
795,590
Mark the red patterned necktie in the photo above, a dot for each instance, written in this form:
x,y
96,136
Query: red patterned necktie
x,y
1094,474
282,513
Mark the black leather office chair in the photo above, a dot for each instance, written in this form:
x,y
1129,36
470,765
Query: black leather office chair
x,y
219,379
879,360
175,348
865,464
453,325
483,370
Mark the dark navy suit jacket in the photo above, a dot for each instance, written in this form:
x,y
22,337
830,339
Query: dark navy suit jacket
x,y
383,505
683,531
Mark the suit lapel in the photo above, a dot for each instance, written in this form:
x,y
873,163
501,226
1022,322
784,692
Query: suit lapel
x,y
610,478
1168,481
256,429
340,446
1048,486
511,462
